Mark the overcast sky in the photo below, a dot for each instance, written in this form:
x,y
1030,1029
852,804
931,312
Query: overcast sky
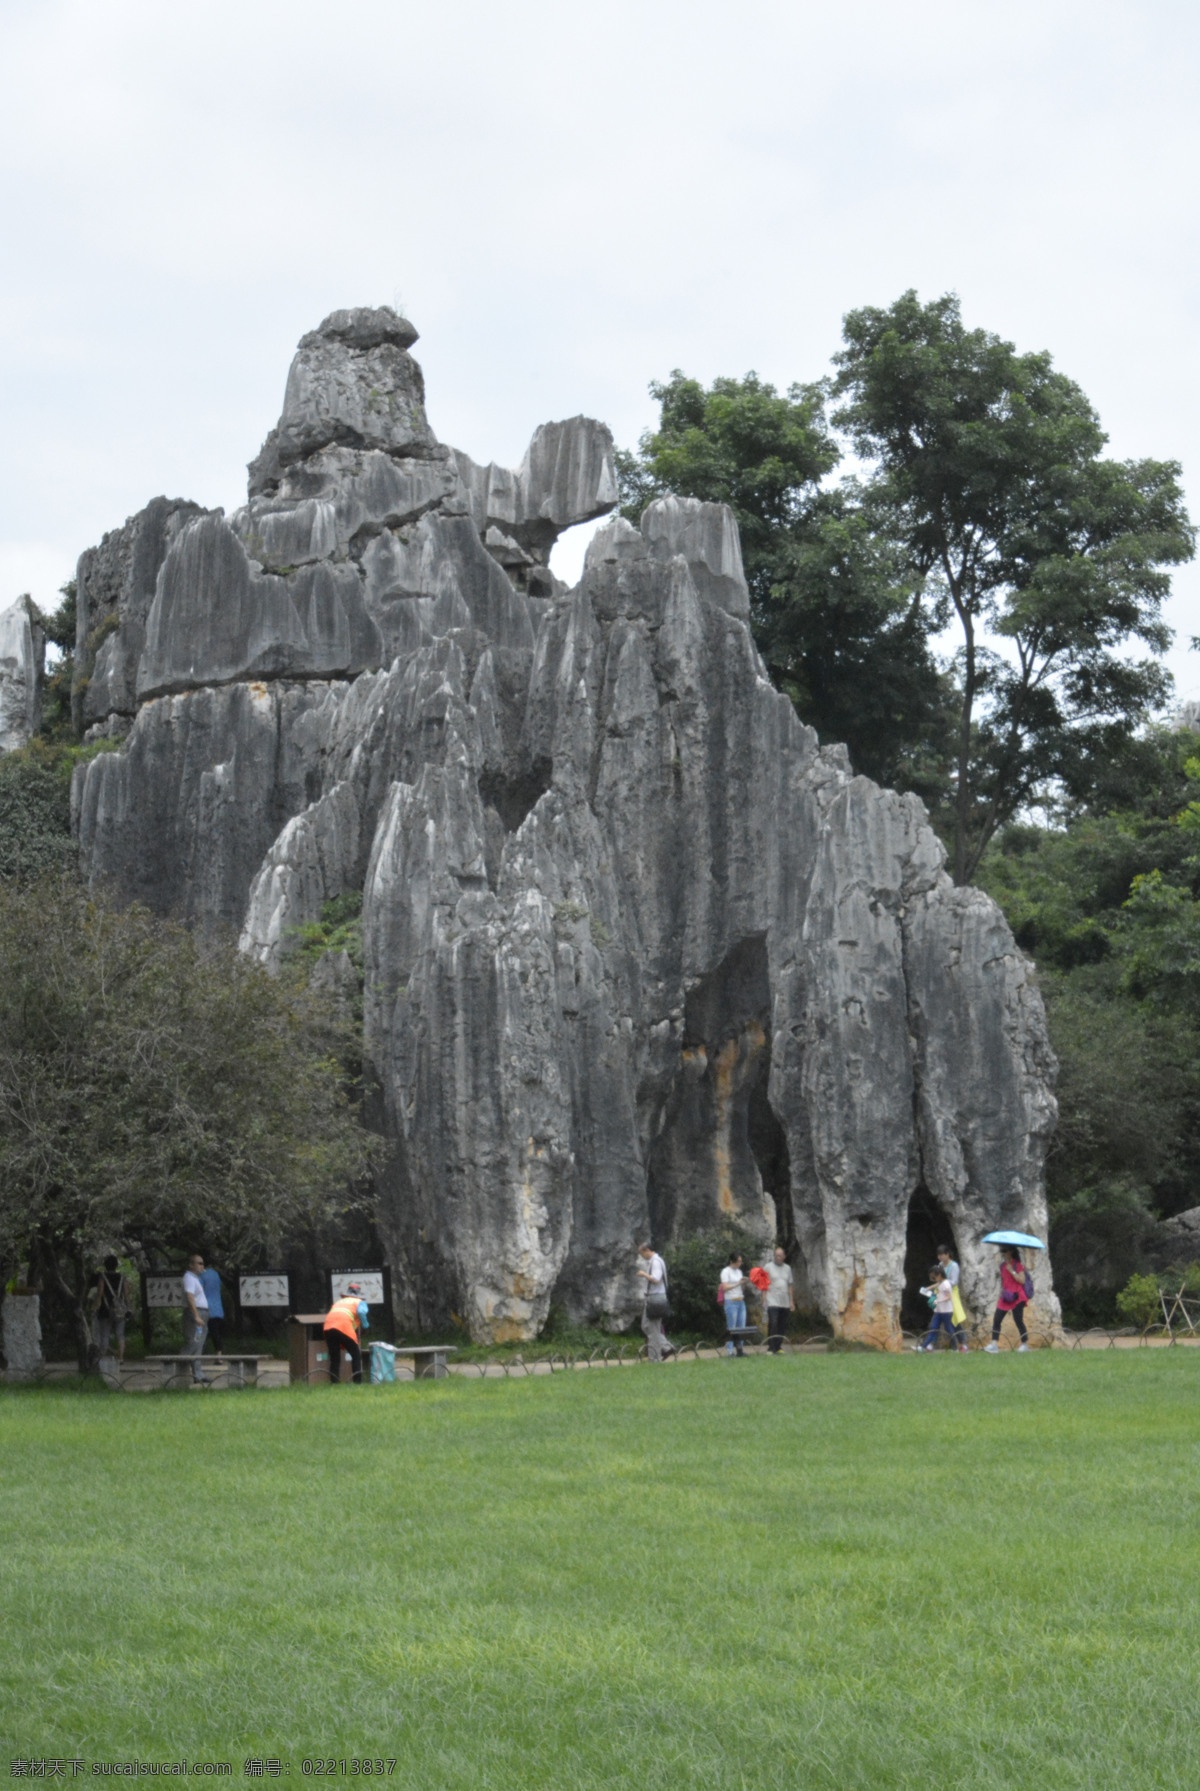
x,y
568,201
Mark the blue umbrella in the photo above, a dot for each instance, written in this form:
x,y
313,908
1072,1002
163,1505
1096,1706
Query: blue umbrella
x,y
1019,1238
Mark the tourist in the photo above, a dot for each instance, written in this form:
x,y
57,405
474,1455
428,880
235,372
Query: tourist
x,y
655,1306
211,1282
941,1292
732,1294
780,1299
950,1270
344,1324
195,1316
1014,1297
110,1306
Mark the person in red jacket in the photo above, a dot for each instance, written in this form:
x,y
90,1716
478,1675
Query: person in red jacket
x,y
1014,1297
343,1330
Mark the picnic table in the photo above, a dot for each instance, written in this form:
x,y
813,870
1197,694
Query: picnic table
x,y
178,1371
310,1352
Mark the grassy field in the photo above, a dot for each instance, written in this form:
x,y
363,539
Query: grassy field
x,y
833,1571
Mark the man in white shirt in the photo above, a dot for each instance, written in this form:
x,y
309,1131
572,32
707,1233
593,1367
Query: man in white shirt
x,y
195,1315
780,1300
654,1286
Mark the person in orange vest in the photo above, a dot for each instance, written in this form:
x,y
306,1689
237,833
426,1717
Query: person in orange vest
x,y
344,1323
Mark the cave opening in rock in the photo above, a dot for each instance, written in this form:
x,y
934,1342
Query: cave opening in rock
x,y
719,1143
928,1226
513,797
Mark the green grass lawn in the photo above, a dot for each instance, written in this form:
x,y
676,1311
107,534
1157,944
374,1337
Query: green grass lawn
x,y
829,1571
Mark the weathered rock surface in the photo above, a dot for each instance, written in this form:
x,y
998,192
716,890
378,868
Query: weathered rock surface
x,y
21,1325
22,646
639,955
114,586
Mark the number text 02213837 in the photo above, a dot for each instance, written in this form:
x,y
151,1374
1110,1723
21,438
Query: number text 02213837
x,y
348,1768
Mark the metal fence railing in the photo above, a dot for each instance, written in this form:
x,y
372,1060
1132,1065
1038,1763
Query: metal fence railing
x,y
1179,1326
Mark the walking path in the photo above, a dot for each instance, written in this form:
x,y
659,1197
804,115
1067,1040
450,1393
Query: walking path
x,y
275,1372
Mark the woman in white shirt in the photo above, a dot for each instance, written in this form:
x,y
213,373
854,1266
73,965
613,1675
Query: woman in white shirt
x,y
733,1298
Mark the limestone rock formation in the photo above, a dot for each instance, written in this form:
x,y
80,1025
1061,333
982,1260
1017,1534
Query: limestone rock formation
x,y
114,589
639,954
22,645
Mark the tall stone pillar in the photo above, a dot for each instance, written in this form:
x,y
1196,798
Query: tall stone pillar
x,y
23,1336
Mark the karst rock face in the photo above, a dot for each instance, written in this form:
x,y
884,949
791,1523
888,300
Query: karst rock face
x,y
639,955
22,650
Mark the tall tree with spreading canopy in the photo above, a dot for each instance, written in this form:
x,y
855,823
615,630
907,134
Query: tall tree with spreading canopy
x,y
839,620
989,479
159,1087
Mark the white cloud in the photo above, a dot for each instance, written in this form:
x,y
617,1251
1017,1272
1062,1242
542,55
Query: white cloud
x,y
33,568
571,202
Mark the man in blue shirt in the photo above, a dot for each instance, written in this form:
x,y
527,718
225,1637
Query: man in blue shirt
x,y
210,1281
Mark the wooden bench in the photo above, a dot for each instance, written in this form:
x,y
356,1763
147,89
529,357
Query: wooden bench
x,y
179,1371
428,1359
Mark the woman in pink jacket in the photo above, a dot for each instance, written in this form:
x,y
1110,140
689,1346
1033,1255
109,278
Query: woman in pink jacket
x,y
1014,1297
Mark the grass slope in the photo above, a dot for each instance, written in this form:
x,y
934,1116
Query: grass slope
x,y
820,1572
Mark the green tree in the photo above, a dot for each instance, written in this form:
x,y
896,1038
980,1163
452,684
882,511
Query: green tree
x,y
988,467
840,623
156,1087
1110,908
740,443
35,811
35,804
59,629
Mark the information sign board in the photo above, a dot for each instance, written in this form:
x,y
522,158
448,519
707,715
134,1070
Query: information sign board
x,y
164,1290
370,1280
263,1290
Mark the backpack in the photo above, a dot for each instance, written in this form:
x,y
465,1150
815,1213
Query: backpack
x,y
1028,1285
658,1300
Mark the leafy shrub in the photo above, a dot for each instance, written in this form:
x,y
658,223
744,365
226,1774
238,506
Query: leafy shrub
x,y
35,805
693,1271
1138,1302
1101,1232
1181,1280
339,929
35,814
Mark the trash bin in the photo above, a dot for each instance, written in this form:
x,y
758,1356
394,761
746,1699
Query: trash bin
x,y
383,1362
308,1352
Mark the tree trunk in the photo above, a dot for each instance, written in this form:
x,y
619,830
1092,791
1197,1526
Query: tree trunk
x,y
962,795
86,1353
